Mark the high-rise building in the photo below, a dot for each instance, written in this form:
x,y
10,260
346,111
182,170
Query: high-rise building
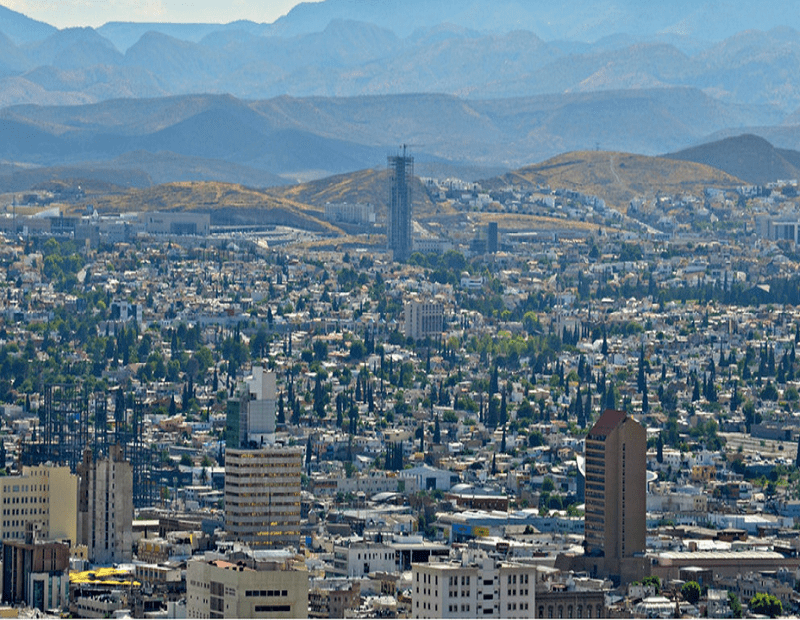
x,y
105,507
251,417
615,517
262,495
399,234
492,242
247,584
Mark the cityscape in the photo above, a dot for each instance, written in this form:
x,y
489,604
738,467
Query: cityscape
x,y
437,387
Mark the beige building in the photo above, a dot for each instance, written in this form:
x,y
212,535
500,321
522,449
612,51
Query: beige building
x,y
615,518
476,587
258,584
44,494
105,507
423,319
262,495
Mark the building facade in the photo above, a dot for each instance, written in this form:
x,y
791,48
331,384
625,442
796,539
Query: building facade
x,y
247,585
36,573
399,234
615,517
476,587
360,213
44,495
105,507
262,495
250,420
423,319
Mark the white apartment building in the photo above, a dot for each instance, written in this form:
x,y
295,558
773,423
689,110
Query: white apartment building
x,y
359,559
377,482
476,587
350,213
262,495
423,319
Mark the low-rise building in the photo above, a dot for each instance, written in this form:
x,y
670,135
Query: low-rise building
x,y
477,586
247,584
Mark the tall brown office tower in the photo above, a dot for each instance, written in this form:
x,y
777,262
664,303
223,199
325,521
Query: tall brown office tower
x,y
615,521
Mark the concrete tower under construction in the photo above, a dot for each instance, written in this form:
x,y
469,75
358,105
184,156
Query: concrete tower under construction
x,y
399,233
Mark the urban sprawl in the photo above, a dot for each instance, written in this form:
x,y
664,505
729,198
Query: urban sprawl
x,y
596,418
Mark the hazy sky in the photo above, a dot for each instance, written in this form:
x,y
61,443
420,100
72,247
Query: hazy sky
x,y
66,13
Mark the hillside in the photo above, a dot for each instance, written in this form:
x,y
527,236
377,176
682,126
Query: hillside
x,y
228,204
371,186
748,157
616,177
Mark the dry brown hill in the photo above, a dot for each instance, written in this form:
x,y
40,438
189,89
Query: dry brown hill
x,y
228,205
372,186
617,177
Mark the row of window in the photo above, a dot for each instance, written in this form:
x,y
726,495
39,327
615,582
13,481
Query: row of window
x,y
454,593
266,593
23,511
273,608
512,579
454,580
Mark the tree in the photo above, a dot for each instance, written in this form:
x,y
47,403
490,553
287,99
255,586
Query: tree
x,y
653,580
735,605
493,414
437,431
691,592
766,605
660,448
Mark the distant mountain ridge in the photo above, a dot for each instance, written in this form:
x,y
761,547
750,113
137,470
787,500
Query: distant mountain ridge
x,y
314,137
747,157
475,49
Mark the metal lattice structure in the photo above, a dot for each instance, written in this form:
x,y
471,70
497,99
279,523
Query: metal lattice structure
x,y
73,419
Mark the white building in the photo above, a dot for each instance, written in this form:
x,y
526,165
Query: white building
x,y
358,559
429,478
476,587
423,319
350,213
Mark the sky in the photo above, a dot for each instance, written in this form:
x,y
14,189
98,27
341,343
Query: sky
x,y
68,13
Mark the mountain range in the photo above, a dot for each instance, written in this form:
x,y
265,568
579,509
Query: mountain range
x,y
281,140
475,88
476,50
